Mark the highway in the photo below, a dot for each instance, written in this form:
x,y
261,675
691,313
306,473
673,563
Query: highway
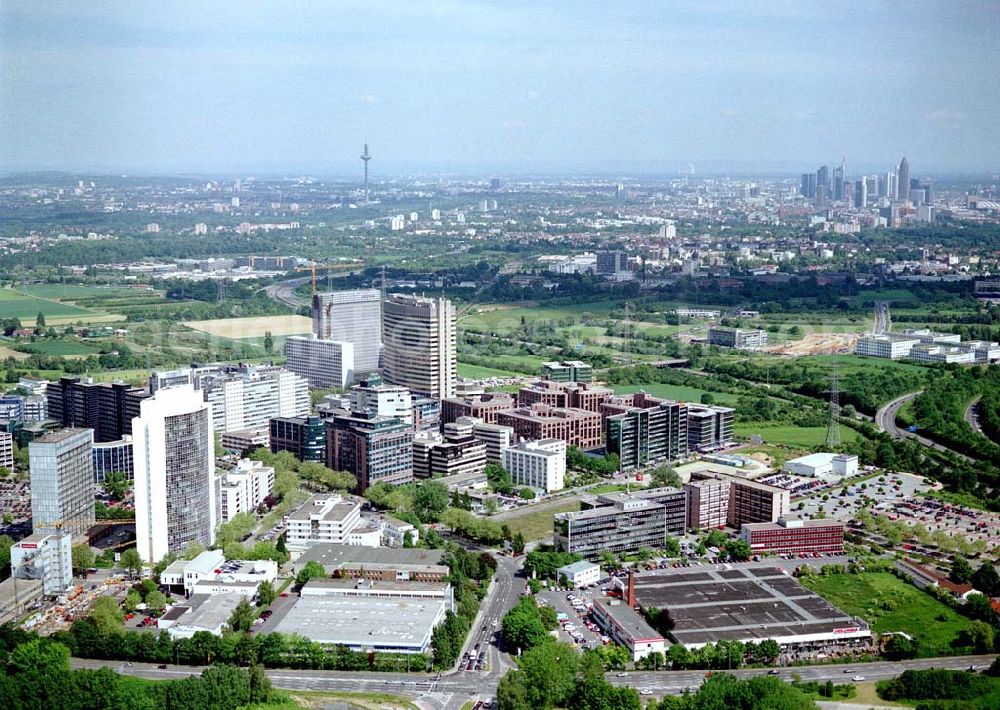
x,y
284,292
452,690
882,321
972,416
885,420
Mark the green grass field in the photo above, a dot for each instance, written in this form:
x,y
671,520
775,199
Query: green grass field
x,y
933,624
504,320
77,292
70,346
478,372
537,524
805,437
678,392
27,308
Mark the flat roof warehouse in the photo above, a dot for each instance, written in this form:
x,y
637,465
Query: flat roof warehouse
x,y
744,604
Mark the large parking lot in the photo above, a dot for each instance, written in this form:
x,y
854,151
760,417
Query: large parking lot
x,y
955,520
842,504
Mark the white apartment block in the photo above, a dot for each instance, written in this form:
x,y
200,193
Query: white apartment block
x,y
496,436
47,557
381,400
884,346
327,518
251,398
323,363
540,464
925,352
6,450
243,489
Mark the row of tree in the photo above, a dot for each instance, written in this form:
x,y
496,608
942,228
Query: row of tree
x,y
36,673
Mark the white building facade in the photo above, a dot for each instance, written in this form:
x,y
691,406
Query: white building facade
x,y
323,363
540,465
174,462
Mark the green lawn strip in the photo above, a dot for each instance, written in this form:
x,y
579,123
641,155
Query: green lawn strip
x,y
790,435
678,392
869,594
478,372
538,524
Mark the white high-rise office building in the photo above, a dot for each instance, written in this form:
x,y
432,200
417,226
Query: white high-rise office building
x,y
419,340
351,317
323,363
174,452
250,397
62,482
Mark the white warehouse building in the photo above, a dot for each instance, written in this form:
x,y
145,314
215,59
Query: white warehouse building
x,y
823,464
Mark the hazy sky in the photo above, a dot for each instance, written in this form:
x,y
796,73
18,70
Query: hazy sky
x,y
286,86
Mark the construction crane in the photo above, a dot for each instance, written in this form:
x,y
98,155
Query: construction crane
x,y
338,266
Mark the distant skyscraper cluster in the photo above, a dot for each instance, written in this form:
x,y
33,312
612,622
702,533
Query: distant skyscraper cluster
x,y
883,190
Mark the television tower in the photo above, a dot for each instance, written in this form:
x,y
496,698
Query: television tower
x,y
366,156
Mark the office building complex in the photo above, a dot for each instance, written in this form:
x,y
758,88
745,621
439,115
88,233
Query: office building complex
x,y
249,396
113,457
242,489
708,503
328,518
794,536
645,430
304,437
62,482
107,408
418,335
495,436
375,449
709,428
540,465
482,406
174,473
44,556
749,501
351,317
323,363
577,427
737,338
621,523
578,395
375,399
246,440
456,452
567,371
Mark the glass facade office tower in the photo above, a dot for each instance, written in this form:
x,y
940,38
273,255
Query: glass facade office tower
x,y
351,317
62,482
174,471
419,341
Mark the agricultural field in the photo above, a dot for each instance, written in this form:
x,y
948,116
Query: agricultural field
x,y
255,327
890,604
678,392
504,320
14,304
790,435
65,347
